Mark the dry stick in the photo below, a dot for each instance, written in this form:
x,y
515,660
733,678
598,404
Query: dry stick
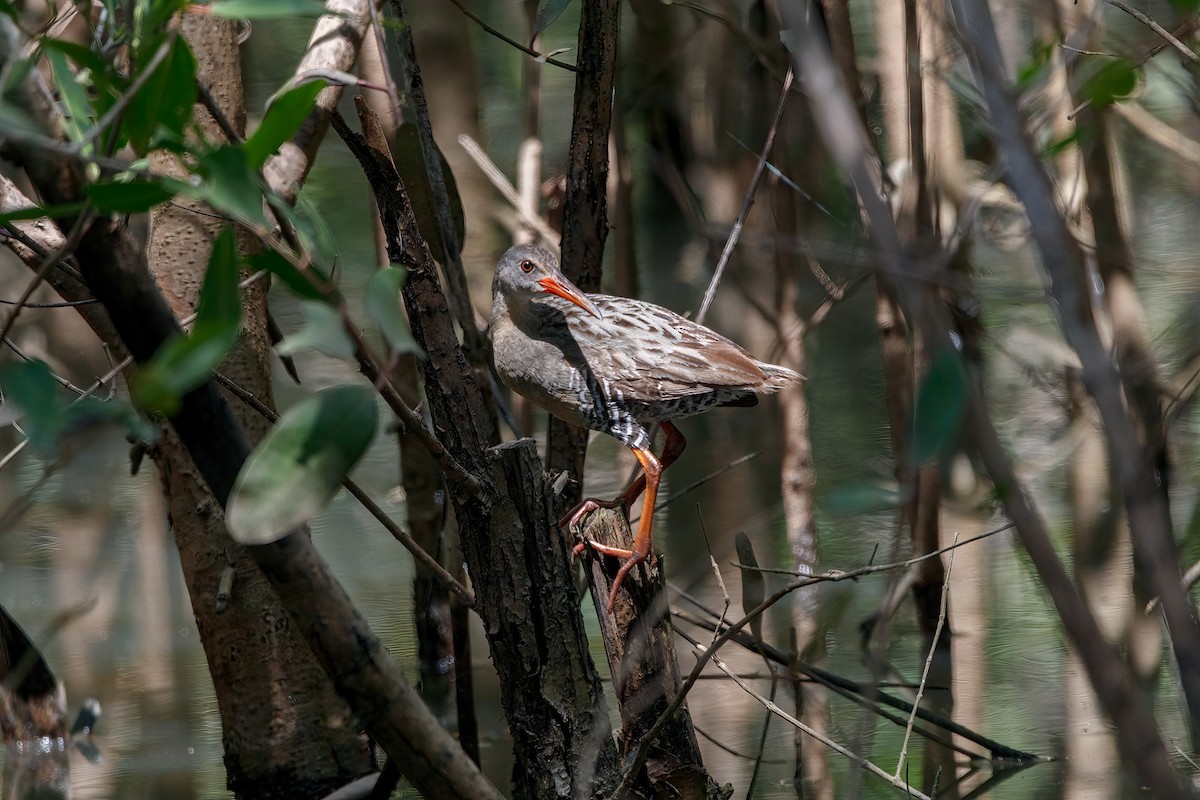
x,y
834,575
862,761
747,201
528,50
402,536
639,757
68,246
1069,287
1189,580
1159,132
846,141
501,182
937,634
459,297
1182,30
1159,29
867,698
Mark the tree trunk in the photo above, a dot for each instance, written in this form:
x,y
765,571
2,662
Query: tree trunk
x,y
283,738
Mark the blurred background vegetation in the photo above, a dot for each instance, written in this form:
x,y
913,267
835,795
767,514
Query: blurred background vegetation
x,y
696,88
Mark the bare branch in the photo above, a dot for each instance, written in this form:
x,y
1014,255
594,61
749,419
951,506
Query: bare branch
x,y
747,201
1188,53
862,761
542,57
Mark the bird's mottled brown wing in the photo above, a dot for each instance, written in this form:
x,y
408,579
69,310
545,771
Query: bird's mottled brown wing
x,y
654,354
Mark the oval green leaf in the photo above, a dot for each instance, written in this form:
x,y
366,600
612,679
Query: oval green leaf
x,y
283,118
406,153
131,197
547,12
185,362
1114,80
941,401
31,395
267,9
322,332
297,469
383,304
165,100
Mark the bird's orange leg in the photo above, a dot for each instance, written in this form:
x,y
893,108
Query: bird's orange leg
x,y
652,468
673,446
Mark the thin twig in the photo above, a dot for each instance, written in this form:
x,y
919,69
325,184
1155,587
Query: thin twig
x,y
63,382
528,50
840,575
118,108
1187,27
862,761
1188,53
217,113
937,634
748,200
74,237
643,750
410,544
505,187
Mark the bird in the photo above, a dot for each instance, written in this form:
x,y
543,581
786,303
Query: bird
x,y
620,366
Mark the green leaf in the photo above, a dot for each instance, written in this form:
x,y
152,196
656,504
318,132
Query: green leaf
x,y
129,197
314,233
185,362
83,57
296,470
31,395
221,296
383,306
283,269
1114,80
284,116
267,9
406,153
79,108
37,212
941,401
1186,6
547,12
322,332
89,412
851,499
1062,145
231,186
165,99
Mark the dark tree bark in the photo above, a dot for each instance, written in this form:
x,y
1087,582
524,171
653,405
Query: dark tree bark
x,y
289,738
641,656
518,563
585,221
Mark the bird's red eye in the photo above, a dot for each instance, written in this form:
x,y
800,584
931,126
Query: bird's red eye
x,y
526,266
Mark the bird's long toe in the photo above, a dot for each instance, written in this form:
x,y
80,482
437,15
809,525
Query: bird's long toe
x,y
575,516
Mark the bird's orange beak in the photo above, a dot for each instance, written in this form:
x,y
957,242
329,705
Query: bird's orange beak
x,y
567,291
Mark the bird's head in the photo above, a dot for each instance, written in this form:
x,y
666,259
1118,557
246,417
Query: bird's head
x,y
526,271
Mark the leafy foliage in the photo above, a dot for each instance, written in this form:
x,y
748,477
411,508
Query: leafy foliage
x,y
297,469
284,116
1114,80
322,332
941,401
383,305
33,400
185,362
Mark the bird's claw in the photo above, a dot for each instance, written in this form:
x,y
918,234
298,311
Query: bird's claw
x,y
574,517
